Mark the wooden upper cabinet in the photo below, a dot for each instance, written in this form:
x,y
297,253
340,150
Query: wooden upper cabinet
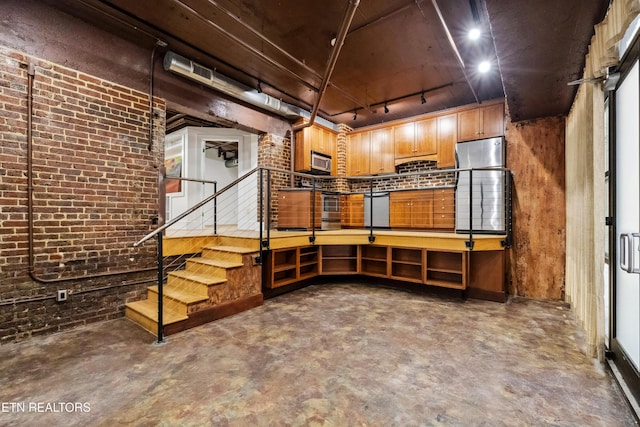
x,y
315,138
479,123
358,153
404,140
447,138
382,153
426,137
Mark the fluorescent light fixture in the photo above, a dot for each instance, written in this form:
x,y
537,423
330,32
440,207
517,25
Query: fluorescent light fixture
x,y
484,66
474,34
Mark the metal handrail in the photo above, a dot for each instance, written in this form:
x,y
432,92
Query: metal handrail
x,y
195,207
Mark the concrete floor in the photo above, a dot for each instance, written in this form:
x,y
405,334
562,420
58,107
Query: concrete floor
x,y
332,355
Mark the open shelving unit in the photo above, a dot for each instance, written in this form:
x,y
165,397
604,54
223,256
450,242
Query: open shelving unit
x,y
374,260
339,259
447,269
285,266
407,264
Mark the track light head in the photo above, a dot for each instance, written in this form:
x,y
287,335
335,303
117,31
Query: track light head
x,y
259,87
422,98
386,110
355,115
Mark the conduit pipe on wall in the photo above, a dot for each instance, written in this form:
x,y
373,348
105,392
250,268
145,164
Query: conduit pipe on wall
x,y
30,216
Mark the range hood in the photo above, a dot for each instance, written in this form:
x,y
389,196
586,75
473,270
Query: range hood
x,y
187,68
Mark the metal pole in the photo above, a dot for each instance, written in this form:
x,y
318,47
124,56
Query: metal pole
x,y
215,209
312,238
160,282
268,209
372,238
469,244
261,207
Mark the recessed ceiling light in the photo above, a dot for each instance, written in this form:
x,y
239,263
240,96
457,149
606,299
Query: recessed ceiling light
x,y
474,34
484,66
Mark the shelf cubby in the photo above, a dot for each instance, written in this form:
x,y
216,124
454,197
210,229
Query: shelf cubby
x,y
447,269
339,259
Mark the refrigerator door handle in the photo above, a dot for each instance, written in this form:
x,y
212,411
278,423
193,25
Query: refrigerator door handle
x,y
625,249
634,248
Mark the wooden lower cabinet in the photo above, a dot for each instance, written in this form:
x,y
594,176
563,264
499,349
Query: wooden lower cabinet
x,y
339,259
295,209
444,209
352,210
411,209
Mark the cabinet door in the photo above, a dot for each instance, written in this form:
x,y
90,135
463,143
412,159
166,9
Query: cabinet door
x,y
356,210
447,138
382,153
492,121
469,125
399,210
404,140
426,137
294,209
303,150
422,210
358,153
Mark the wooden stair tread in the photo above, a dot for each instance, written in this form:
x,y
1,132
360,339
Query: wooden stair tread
x,y
179,294
195,277
150,310
216,263
234,249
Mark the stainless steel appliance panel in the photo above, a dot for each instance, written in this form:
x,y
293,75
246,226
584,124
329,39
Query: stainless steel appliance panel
x,y
486,188
378,203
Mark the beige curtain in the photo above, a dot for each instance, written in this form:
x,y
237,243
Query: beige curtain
x,y
585,186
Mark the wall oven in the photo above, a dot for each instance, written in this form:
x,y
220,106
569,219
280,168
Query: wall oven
x,y
330,212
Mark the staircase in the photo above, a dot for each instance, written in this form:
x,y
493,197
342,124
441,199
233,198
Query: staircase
x,y
220,282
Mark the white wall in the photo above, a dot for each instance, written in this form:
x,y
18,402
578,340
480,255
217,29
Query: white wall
x,y
199,163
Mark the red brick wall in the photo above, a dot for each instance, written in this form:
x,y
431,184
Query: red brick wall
x,y
94,195
275,152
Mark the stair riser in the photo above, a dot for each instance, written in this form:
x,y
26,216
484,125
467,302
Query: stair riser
x,y
142,320
188,286
238,241
168,303
221,255
206,270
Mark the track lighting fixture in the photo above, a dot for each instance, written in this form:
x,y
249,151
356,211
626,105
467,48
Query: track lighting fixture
x,y
259,88
386,110
355,114
423,100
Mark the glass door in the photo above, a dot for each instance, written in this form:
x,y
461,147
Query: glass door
x,y
625,337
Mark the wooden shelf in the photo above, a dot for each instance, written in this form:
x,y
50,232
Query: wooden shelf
x,y
339,259
286,266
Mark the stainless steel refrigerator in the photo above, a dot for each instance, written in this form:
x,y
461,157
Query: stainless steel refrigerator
x,y
480,195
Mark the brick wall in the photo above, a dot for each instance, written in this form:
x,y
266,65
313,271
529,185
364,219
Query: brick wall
x,y
94,195
275,152
442,178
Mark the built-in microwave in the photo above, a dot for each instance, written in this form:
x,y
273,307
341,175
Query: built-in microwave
x,y
320,163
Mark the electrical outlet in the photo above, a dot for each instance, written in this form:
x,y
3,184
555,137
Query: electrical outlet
x,y
62,295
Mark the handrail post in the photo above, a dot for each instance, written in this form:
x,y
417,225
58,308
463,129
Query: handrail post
x,y
261,208
215,209
160,283
372,238
312,238
469,244
268,209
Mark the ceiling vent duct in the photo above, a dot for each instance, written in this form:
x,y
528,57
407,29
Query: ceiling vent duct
x,y
187,68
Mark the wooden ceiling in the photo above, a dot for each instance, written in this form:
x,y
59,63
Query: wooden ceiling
x,y
396,51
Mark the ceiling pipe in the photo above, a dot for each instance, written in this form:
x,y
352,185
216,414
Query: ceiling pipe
x,y
245,45
454,47
284,52
187,68
335,53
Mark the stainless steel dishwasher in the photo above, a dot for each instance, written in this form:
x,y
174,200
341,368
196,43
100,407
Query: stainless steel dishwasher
x,y
378,203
